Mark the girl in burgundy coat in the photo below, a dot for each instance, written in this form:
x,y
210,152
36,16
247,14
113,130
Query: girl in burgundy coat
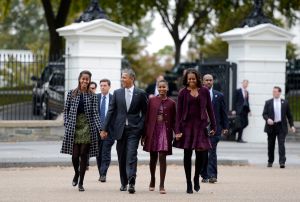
x,y
193,109
158,136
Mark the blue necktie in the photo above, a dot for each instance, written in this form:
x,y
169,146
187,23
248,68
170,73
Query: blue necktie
x,y
102,109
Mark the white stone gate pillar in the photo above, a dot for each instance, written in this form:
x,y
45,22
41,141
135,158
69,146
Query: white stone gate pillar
x,y
260,54
95,46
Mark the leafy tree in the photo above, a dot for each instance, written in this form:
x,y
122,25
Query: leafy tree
x,y
24,27
181,17
230,14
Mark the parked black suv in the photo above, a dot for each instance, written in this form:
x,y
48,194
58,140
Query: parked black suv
x,y
53,99
38,90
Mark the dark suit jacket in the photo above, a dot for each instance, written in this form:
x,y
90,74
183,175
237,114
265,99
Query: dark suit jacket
x,y
285,114
238,102
220,111
117,113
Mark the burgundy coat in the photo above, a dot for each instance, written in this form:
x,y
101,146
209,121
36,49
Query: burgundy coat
x,y
206,108
150,121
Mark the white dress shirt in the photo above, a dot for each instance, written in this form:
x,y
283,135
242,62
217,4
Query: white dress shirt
x,y
129,92
211,94
277,109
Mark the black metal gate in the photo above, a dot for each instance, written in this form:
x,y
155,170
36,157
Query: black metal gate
x,y
292,89
24,78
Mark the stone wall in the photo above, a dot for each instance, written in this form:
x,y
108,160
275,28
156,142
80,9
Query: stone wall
x,y
17,131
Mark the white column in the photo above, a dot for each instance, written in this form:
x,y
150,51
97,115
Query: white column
x,y
95,46
260,54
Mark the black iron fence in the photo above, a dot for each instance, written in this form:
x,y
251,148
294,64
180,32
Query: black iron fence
x,y
24,79
293,87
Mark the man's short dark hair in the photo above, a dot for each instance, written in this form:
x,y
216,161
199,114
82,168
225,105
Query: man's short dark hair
x,y
93,82
106,80
278,88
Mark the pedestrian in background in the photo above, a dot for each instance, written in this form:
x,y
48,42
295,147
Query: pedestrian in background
x,y
210,171
158,135
194,107
276,113
82,126
93,86
241,108
104,156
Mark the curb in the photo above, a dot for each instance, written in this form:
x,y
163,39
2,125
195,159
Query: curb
x,y
223,162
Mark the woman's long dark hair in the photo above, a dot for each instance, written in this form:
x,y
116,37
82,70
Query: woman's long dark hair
x,y
192,71
77,90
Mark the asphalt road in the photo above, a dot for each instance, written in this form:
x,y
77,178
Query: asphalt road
x,y
236,183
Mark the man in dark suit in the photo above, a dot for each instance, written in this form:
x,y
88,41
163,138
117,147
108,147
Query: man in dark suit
x,y
104,156
241,108
210,171
276,113
126,114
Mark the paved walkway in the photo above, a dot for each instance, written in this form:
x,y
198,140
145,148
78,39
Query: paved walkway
x,y
236,183
34,154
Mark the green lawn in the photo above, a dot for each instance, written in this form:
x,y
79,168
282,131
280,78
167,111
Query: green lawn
x,y
294,102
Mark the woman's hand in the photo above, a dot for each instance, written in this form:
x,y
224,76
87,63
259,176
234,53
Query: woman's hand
x,y
212,133
178,136
103,135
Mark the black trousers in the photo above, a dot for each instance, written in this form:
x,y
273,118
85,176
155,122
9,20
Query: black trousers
x,y
127,148
276,132
243,118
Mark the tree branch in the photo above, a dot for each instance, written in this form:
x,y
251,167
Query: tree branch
x,y
49,15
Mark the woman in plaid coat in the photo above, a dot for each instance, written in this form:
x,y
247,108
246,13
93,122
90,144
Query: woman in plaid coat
x,y
82,126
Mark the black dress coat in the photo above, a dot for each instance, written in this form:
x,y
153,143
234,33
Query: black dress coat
x,y
92,115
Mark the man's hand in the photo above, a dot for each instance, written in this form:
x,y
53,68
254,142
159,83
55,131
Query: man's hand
x,y
212,133
225,132
233,112
293,129
270,122
143,141
178,136
103,135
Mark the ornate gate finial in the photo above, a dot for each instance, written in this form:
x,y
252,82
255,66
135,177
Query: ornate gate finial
x,y
256,16
93,12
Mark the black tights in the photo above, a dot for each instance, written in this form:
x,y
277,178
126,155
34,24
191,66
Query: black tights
x,y
80,151
162,165
201,158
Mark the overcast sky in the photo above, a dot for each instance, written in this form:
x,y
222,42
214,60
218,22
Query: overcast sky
x,y
161,37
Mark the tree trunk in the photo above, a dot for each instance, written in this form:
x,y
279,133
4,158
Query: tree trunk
x,y
55,22
178,44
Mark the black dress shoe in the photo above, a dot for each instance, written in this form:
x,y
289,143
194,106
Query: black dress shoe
x,y
123,188
75,180
270,165
131,189
213,180
196,184
80,188
204,180
189,187
282,166
102,178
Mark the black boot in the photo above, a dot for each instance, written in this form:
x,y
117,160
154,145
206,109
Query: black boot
x,y
196,184
189,187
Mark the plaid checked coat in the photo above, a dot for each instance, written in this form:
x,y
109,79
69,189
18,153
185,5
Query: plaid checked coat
x,y
70,113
